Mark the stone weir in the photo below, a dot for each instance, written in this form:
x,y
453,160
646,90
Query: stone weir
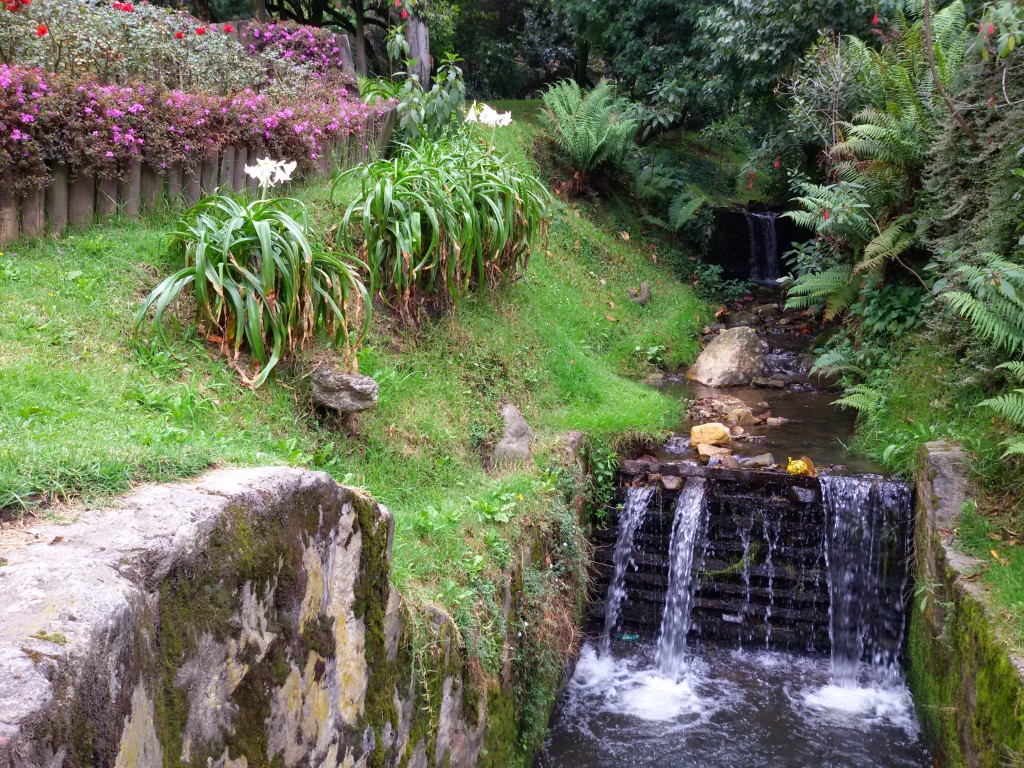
x,y
246,619
782,562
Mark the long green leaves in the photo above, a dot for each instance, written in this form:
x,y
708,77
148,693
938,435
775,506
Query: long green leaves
x,y
442,218
257,280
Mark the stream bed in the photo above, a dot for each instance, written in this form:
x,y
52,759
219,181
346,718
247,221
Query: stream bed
x,y
729,709
751,626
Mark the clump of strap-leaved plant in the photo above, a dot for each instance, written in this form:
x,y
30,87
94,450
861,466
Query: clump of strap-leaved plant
x,y
442,218
261,285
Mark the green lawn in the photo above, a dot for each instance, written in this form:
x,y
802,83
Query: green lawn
x,y
88,410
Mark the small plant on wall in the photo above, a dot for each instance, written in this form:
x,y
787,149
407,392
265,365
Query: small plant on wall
x,y
259,283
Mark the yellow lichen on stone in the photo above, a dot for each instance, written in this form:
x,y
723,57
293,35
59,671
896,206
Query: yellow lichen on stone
x,y
139,746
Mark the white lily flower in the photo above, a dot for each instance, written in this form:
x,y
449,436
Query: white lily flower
x,y
270,173
471,114
283,172
488,116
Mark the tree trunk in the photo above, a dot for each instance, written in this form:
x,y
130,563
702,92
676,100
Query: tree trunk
x,y
419,47
359,11
583,63
261,10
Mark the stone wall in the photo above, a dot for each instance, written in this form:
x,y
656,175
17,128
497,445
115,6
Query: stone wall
x,y
246,619
968,687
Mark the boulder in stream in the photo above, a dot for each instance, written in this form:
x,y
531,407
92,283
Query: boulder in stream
x,y
733,359
708,452
710,434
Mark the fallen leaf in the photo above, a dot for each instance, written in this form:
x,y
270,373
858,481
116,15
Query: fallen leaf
x,y
548,254
624,235
996,555
610,318
603,281
57,540
611,304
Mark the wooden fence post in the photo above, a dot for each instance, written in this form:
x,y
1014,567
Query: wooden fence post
x,y
190,189
8,208
33,213
227,167
174,184
151,187
241,158
57,199
82,200
106,198
129,190
208,179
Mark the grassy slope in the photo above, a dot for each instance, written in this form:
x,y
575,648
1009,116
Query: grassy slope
x,y
87,410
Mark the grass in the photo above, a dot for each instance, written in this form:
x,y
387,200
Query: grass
x,y
88,410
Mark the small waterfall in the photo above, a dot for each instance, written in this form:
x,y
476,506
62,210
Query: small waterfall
x,y
771,537
632,517
764,246
687,529
866,552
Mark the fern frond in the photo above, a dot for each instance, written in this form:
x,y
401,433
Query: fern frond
x,y
1009,406
862,398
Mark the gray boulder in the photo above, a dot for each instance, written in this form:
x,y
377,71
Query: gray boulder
x,y
733,359
345,393
514,445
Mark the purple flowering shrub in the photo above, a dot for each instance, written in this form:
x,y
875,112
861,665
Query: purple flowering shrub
x,y
101,129
313,48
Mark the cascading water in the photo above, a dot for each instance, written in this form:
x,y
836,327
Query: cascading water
x,y
764,246
632,517
687,530
866,553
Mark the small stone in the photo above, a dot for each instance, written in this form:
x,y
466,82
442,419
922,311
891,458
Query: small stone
x,y
737,431
764,404
742,417
767,310
729,462
761,381
776,421
345,393
714,433
707,452
514,446
672,483
764,461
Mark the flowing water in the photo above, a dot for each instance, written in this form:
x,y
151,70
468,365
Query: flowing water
x,y
687,529
780,634
764,247
632,517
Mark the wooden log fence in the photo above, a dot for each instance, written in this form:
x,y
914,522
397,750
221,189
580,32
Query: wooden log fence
x,y
74,199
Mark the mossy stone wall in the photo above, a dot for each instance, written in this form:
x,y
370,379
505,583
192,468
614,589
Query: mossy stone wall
x,y
968,687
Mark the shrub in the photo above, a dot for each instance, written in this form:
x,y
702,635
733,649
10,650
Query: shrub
x,y
100,129
122,43
588,128
441,218
313,48
258,281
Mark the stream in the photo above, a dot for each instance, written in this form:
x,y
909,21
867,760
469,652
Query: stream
x,y
751,626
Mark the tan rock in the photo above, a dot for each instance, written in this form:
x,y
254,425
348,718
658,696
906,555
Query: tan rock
x,y
743,417
708,451
714,433
672,483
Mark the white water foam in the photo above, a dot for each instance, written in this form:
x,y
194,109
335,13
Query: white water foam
x,y
874,703
618,686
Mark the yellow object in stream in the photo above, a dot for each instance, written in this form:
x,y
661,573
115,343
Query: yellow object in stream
x,y
801,466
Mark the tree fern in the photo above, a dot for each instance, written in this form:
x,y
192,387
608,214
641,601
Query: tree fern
x,y
836,288
588,128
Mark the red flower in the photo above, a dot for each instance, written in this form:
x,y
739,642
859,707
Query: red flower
x,y
990,30
750,185
228,29
42,31
874,20
127,7
200,30
398,3
778,162
118,6
179,34
405,14
826,214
